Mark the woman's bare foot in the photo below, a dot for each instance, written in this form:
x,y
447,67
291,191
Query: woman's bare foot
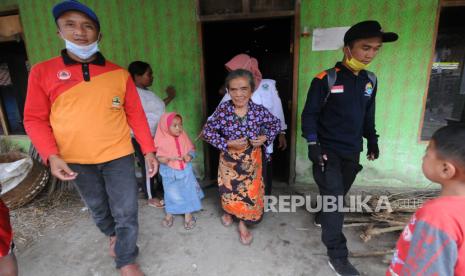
x,y
226,219
245,236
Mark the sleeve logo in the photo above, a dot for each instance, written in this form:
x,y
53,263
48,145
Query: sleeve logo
x,y
368,89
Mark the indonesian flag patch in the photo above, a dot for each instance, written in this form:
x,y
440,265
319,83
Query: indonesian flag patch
x,y
337,89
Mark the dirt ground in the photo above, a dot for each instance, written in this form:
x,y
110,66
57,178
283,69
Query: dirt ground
x,y
65,241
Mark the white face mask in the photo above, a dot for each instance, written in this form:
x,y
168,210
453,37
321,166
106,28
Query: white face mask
x,y
83,52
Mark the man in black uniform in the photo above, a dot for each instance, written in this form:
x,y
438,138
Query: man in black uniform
x,y
339,111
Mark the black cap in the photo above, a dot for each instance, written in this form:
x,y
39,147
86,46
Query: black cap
x,y
368,29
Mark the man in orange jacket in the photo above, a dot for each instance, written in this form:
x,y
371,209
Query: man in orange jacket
x,y
78,113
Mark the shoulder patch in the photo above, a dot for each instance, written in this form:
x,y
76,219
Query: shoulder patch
x,y
324,73
321,75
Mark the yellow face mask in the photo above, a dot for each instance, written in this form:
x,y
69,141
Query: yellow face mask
x,y
354,64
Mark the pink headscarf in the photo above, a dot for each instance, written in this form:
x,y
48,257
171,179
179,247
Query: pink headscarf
x,y
244,61
169,145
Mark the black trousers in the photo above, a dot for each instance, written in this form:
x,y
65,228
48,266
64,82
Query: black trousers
x,y
153,189
336,179
110,191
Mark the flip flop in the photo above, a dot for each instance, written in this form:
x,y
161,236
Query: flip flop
x,y
189,225
160,205
167,222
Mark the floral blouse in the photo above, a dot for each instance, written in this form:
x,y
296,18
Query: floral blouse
x,y
224,125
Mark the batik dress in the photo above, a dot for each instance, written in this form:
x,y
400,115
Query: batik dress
x,y
240,177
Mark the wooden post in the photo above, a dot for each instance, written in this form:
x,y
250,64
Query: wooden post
x,y
3,119
295,87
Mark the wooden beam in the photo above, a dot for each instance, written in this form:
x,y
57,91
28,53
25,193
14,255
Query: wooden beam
x,y
452,3
206,151
242,16
9,10
295,86
428,78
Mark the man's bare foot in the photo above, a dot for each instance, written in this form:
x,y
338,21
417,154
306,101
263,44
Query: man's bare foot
x,y
131,270
112,246
226,219
156,202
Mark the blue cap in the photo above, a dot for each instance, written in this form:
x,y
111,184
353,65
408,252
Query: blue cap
x,y
73,5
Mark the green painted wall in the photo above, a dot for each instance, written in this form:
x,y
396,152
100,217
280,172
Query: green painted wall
x,y
164,33
6,5
402,69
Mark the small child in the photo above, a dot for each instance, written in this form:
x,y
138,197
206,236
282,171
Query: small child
x,y
433,242
175,152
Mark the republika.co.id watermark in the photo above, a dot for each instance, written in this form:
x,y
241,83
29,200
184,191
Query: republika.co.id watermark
x,y
327,203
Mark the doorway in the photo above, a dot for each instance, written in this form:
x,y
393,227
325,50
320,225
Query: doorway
x,y
14,67
270,41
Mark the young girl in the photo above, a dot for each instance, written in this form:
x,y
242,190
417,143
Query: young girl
x,y
175,152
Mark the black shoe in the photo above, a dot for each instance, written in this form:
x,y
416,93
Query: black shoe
x,y
343,267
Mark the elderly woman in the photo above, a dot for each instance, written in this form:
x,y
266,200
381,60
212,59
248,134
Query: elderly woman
x,y
267,95
241,130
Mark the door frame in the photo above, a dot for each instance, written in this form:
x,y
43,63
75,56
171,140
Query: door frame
x,y
295,75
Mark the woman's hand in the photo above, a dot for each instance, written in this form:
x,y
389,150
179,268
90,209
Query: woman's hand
x,y
282,141
237,144
187,158
171,92
259,141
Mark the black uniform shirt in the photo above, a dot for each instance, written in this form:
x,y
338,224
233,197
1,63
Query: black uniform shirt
x,y
339,120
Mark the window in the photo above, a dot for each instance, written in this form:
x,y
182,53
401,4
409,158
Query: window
x,y
445,102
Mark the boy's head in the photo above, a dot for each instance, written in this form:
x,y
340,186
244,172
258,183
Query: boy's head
x,y
445,156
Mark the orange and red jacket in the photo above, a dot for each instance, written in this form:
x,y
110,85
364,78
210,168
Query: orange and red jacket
x,y
84,111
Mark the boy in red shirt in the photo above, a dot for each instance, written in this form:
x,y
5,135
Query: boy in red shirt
x,y
433,243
